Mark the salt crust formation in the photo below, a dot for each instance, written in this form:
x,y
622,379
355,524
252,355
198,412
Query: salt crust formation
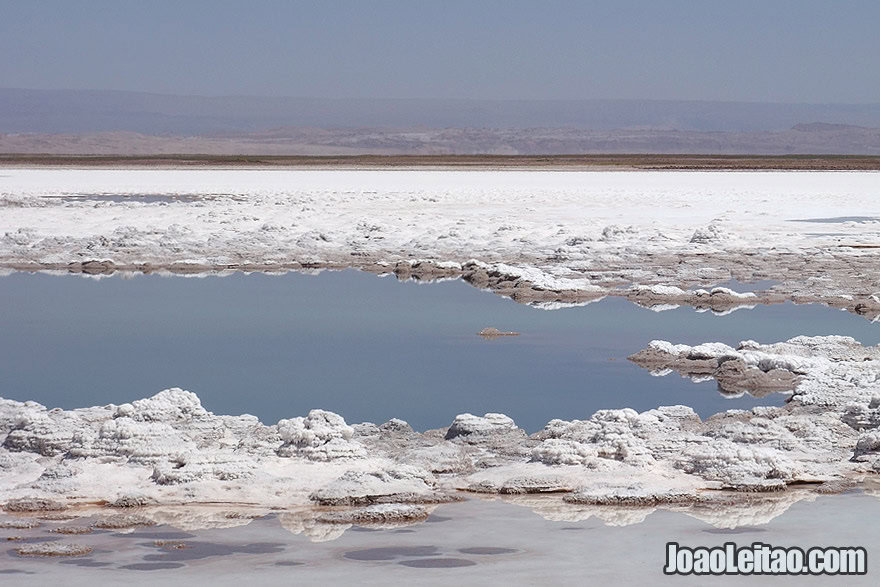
x,y
167,450
52,549
546,238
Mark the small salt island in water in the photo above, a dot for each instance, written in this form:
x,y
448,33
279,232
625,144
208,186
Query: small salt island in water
x,y
491,332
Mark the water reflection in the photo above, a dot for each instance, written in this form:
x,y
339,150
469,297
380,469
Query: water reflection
x,y
368,348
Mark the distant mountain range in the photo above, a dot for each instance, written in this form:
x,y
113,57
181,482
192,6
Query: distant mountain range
x,y
109,122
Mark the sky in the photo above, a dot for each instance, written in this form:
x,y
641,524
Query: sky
x,y
760,51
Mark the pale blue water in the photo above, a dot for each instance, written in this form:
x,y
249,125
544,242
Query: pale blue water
x,y
368,348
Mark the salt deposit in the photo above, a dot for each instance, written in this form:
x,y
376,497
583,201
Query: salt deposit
x,y
548,238
168,449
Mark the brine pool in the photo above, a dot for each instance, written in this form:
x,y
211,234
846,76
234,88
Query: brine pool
x,y
365,347
371,349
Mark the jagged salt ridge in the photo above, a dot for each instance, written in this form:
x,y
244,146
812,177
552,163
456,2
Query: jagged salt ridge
x,y
167,449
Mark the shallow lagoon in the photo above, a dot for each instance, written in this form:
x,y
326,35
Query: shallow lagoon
x,y
372,349
368,348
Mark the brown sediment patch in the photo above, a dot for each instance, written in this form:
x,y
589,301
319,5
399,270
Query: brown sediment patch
x,y
33,504
131,501
19,523
72,530
58,517
648,499
760,486
481,487
34,539
532,485
391,498
243,516
377,515
492,333
53,549
120,521
418,271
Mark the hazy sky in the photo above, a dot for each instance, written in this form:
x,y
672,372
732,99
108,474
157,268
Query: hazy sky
x,y
803,51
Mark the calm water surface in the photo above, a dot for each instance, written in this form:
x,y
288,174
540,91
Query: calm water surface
x,y
368,348
470,543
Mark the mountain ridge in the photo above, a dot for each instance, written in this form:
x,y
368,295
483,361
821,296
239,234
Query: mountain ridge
x,y
92,111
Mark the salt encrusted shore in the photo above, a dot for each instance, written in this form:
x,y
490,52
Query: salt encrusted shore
x,y
167,450
547,238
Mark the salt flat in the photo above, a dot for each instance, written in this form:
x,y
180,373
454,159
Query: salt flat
x,y
269,216
540,237
553,236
